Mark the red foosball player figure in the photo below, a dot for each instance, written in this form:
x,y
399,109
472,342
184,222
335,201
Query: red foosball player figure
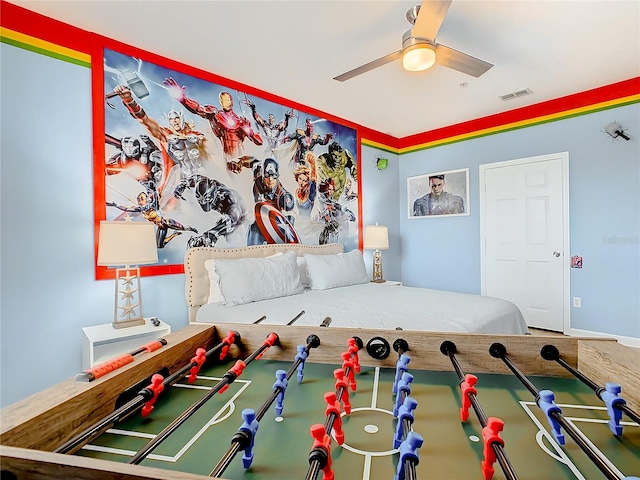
x,y
321,450
198,360
338,374
349,370
467,387
156,386
491,435
333,407
227,342
353,350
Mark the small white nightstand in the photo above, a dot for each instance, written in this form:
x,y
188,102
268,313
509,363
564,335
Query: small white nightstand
x,y
103,342
388,283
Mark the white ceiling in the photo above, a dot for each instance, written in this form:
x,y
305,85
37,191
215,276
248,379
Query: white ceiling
x,y
293,49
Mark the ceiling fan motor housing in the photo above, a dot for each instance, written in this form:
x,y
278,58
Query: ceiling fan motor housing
x,y
409,41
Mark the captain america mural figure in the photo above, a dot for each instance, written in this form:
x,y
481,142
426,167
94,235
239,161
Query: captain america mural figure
x,y
273,203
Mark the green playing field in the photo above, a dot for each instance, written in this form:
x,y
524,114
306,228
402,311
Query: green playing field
x,y
451,449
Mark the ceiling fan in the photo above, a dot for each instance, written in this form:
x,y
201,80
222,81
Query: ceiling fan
x,y
419,48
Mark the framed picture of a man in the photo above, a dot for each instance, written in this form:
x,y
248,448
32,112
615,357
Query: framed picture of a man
x,y
438,194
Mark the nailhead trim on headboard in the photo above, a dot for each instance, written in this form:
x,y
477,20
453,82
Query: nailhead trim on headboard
x,y
197,277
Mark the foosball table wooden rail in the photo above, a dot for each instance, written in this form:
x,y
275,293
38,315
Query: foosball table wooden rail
x,y
32,428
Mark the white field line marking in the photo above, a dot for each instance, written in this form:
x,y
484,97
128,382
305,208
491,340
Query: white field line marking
x,y
560,455
600,454
599,420
374,394
116,431
229,407
588,420
366,469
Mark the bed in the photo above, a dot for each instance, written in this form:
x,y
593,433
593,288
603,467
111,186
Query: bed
x,y
279,284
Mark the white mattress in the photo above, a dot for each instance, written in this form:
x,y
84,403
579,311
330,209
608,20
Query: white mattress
x,y
382,306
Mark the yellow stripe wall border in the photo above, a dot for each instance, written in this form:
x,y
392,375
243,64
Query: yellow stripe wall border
x,y
43,47
619,102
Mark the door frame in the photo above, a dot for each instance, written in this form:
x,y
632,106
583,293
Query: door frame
x,y
566,277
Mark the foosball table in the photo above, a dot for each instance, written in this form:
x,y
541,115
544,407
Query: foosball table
x,y
297,402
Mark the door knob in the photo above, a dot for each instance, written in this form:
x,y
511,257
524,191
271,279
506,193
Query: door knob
x,y
556,254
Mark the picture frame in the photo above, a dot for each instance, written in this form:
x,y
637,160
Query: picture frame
x,y
438,194
144,170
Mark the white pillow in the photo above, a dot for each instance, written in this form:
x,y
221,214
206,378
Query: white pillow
x,y
248,280
340,270
215,294
302,267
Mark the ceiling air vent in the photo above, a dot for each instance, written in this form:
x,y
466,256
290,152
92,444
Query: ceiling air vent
x,y
519,93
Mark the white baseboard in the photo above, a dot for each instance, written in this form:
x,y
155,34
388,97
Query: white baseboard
x,y
628,341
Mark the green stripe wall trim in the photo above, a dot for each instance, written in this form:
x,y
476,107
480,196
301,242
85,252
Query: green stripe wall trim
x,y
379,147
509,129
47,53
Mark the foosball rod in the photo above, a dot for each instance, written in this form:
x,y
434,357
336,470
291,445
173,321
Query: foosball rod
x,y
293,320
115,363
550,352
313,341
498,350
136,403
401,346
314,465
227,379
449,348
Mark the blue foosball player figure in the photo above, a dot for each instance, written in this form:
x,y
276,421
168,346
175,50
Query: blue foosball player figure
x,y
281,384
404,386
401,367
404,413
611,397
408,452
302,356
249,427
548,406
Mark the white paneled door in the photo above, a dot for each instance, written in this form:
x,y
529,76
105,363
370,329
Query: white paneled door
x,y
524,230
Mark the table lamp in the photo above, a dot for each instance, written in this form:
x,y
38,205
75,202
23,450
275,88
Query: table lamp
x,y
126,245
376,237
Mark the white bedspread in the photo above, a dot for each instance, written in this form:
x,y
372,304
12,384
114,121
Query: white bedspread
x,y
382,306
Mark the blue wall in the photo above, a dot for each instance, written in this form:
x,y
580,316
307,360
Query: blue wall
x,y
48,292
380,204
604,186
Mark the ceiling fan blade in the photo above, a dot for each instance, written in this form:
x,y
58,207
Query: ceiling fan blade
x,y
429,19
448,57
369,66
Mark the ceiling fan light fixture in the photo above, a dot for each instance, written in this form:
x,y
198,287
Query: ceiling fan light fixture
x,y
418,57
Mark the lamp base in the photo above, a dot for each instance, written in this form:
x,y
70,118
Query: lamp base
x,y
377,267
128,299
130,322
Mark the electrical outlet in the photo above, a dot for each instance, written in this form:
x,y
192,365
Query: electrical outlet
x,y
577,302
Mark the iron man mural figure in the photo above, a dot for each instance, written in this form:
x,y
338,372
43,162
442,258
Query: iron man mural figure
x,y
226,124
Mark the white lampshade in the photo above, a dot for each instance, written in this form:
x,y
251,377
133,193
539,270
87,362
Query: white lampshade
x,y
376,237
418,57
126,243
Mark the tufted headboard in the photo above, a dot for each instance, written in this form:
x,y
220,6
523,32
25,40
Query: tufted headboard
x,y
197,277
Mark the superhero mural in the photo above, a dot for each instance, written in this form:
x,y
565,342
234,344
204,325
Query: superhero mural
x,y
211,165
